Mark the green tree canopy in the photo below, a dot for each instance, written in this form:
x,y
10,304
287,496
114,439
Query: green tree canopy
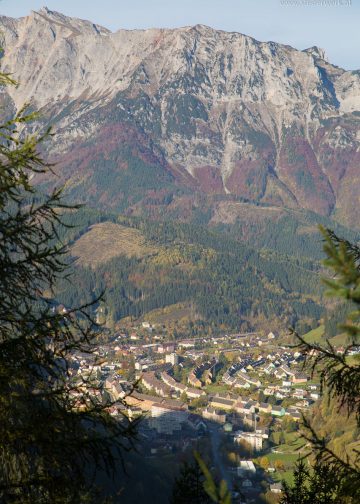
x,y
189,486
318,485
55,429
340,377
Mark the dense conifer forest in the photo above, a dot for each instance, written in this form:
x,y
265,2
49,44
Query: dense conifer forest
x,y
231,283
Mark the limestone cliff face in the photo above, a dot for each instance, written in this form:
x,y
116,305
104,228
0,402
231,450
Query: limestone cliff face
x,y
164,112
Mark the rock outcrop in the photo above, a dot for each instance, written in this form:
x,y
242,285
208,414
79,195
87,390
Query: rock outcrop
x,y
155,118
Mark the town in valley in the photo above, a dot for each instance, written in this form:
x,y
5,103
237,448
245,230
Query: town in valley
x,y
237,399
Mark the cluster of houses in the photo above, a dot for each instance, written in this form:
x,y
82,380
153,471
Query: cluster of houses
x,y
248,372
168,386
260,369
247,472
281,366
276,373
166,416
179,388
247,408
203,373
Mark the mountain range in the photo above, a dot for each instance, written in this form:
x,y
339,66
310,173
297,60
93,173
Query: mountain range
x,y
188,123
206,160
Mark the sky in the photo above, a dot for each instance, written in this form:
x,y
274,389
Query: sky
x,y
333,25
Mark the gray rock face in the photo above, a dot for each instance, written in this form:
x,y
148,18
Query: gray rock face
x,y
221,111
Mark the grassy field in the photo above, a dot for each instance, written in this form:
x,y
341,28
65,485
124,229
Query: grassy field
x,y
170,314
293,445
338,340
280,476
288,459
315,335
214,388
353,360
318,335
107,240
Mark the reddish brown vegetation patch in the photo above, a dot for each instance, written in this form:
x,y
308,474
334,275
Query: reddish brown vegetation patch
x,y
299,169
248,179
209,179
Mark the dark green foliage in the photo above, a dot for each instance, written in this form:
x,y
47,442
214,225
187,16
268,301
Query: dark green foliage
x,y
189,486
334,318
339,377
220,493
317,485
55,431
292,234
342,379
225,282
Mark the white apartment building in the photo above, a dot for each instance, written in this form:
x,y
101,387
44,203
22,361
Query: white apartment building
x,y
167,419
255,440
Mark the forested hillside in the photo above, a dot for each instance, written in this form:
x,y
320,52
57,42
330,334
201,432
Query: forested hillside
x,y
242,147
144,265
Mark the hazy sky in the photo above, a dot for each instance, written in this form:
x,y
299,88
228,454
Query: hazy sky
x,y
331,24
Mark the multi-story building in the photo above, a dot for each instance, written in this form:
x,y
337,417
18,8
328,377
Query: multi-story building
x,y
214,415
245,407
246,467
252,438
167,419
299,378
172,358
222,402
265,408
194,393
278,411
150,381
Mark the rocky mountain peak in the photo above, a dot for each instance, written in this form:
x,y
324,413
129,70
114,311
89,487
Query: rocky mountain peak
x,y
221,112
46,15
45,10
317,52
